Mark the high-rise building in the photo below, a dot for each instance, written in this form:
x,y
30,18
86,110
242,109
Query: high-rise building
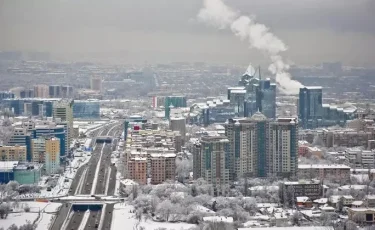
x,y
54,91
52,155
310,106
173,102
137,169
66,91
41,91
52,130
163,167
63,112
178,124
213,162
282,158
266,98
261,147
96,83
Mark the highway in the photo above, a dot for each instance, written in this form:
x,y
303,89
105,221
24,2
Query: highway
x,y
85,183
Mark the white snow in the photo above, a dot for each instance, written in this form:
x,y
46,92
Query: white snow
x,y
46,215
124,220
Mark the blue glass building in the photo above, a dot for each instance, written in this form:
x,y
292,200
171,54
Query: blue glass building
x,y
89,110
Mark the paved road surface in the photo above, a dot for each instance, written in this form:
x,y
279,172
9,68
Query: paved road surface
x,y
60,218
107,221
75,221
93,221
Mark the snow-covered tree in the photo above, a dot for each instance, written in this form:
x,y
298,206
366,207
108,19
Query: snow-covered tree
x,y
183,168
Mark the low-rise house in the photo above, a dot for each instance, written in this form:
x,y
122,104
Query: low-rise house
x,y
304,201
358,204
370,201
362,215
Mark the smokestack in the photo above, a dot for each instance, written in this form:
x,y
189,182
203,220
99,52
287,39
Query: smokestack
x,y
216,13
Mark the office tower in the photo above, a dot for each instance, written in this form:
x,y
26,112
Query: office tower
x,y
13,153
178,124
214,159
89,110
96,83
63,112
41,91
282,159
266,98
27,93
261,147
66,91
237,97
6,95
52,130
173,102
54,91
310,106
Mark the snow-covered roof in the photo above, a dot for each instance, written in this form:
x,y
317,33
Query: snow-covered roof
x,y
321,201
261,188
357,203
302,199
355,187
218,219
7,165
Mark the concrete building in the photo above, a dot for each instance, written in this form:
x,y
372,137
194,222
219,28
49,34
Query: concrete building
x,y
329,172
262,148
51,129
214,158
173,102
41,91
266,98
63,111
137,170
288,191
178,124
52,155
13,153
358,158
21,137
23,173
362,215
96,83
163,167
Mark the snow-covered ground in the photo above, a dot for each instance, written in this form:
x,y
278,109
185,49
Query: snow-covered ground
x,y
124,220
64,181
19,217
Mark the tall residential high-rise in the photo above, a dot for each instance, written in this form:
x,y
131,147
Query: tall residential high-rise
x,y
261,147
163,167
63,111
96,83
55,91
282,157
310,105
41,91
213,162
266,98
52,155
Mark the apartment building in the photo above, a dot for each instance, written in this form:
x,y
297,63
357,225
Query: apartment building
x,y
13,153
46,151
163,167
137,170
329,172
289,190
260,147
358,158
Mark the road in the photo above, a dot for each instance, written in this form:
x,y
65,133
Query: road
x,y
84,183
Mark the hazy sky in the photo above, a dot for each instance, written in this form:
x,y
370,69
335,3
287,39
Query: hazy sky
x,y
136,31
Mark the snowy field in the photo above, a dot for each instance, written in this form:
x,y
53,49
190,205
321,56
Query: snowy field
x,y
20,217
124,220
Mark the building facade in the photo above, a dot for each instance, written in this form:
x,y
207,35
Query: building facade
x,y
310,105
13,153
87,110
163,167
329,172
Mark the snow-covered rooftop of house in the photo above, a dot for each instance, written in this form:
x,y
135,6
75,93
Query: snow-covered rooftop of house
x,y
302,199
355,187
321,201
327,208
268,188
319,166
218,219
357,203
128,182
370,197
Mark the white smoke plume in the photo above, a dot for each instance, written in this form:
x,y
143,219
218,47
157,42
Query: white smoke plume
x,y
216,13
